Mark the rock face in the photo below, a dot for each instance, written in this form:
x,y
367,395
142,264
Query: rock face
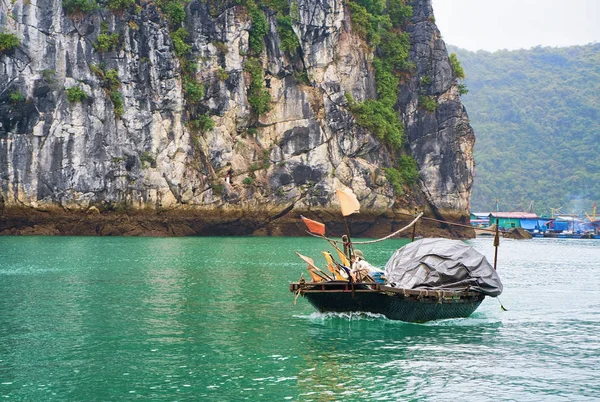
x,y
99,160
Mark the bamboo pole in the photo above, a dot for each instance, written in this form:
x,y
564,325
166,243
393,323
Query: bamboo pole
x,y
496,243
349,239
414,227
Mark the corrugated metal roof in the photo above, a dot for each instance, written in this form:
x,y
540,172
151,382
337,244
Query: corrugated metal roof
x,y
514,215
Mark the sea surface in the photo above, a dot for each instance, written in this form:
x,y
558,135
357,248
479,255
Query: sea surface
x,y
212,319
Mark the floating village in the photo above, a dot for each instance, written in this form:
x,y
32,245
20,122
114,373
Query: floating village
x,y
525,224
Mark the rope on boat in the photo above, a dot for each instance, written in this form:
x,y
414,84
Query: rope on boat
x,y
393,234
297,294
501,306
376,240
299,288
451,223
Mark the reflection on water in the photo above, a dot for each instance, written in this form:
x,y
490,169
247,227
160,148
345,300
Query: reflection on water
x,y
212,319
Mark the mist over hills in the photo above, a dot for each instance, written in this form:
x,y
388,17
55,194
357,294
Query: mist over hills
x,y
536,116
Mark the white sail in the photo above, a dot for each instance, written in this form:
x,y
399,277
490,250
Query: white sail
x,y
348,202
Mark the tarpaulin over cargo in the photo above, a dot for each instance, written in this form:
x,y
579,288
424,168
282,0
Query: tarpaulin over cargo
x,y
534,224
442,264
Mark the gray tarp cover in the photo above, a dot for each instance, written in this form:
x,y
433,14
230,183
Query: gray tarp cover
x,y
442,264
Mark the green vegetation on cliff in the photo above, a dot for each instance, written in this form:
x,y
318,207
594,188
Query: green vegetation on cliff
x,y
258,98
8,42
536,116
16,97
76,94
111,83
79,6
381,27
380,24
119,5
289,40
179,37
259,27
174,10
106,42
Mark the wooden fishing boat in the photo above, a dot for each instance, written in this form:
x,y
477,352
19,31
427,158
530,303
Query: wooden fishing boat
x,y
427,279
396,304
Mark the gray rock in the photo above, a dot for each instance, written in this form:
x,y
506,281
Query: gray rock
x,y
78,155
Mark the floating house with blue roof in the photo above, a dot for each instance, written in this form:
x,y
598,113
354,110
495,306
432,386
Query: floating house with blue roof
x,y
480,219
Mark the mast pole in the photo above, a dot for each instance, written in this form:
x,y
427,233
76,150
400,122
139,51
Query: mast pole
x,y
414,226
496,243
349,239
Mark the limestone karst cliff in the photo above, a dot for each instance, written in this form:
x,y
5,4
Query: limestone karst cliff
x,y
226,117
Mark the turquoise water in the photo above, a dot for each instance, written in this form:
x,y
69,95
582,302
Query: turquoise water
x,y
212,319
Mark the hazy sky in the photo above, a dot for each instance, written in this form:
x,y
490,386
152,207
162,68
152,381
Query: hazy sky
x,y
515,24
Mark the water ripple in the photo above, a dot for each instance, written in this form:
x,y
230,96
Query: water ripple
x,y
213,320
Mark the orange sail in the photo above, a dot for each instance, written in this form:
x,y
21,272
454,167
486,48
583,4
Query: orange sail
x,y
314,226
348,202
332,267
316,273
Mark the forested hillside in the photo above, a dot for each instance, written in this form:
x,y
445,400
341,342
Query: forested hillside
x,y
536,115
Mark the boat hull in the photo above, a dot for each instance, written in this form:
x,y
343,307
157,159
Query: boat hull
x,y
395,304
